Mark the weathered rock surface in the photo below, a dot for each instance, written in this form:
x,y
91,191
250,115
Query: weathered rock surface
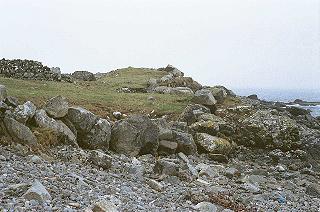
x,y
204,97
212,144
135,135
19,132
82,119
57,107
65,134
267,128
185,142
192,112
25,112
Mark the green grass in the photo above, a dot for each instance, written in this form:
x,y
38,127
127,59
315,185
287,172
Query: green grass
x,y
101,96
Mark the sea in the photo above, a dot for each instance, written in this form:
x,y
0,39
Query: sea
x,y
286,95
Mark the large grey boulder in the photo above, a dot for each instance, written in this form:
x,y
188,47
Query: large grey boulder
x,y
57,107
98,137
65,134
135,135
165,132
82,119
3,92
219,93
204,97
24,112
19,132
84,76
212,144
192,112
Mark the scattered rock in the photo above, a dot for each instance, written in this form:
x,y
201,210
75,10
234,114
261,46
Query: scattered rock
x,y
185,142
25,112
206,207
100,159
167,147
104,206
192,112
37,192
313,190
155,185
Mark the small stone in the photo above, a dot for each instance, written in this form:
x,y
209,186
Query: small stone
x,y
232,172
37,192
3,158
74,204
206,207
155,185
219,158
36,159
100,159
167,147
104,206
117,115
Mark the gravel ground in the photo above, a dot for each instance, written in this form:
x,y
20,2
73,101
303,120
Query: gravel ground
x,y
249,182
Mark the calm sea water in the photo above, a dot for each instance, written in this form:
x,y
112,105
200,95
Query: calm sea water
x,y
285,96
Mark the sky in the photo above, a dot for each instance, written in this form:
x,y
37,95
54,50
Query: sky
x,y
239,44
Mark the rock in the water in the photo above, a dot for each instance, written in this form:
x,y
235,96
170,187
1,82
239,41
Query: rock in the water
x,y
204,97
65,134
84,76
19,132
100,159
82,119
135,135
185,142
24,112
212,144
57,107
37,192
3,92
104,206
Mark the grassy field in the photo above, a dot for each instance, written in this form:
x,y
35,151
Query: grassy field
x,y
101,96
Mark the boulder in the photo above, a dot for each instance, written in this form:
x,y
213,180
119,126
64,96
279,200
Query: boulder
x,y
204,97
165,133
84,76
135,135
166,167
64,133
98,137
24,112
19,132
212,144
3,92
268,128
57,107
192,112
219,93
38,193
82,119
253,97
185,142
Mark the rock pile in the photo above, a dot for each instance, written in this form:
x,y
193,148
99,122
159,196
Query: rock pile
x,y
83,76
28,69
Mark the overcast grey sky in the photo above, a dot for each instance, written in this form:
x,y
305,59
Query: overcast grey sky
x,y
237,43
